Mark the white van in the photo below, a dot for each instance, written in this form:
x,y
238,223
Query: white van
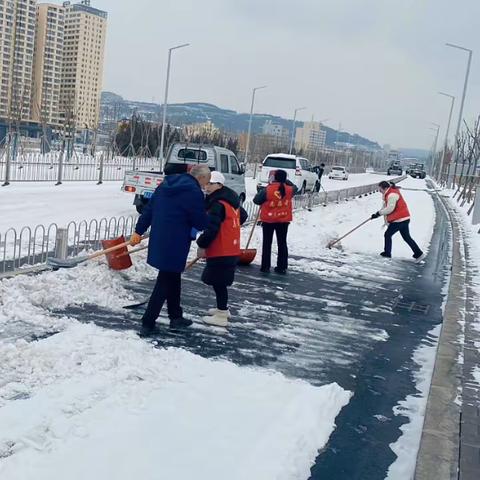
x,y
180,156
299,171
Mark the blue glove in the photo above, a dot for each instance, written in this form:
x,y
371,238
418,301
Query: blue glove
x,y
193,234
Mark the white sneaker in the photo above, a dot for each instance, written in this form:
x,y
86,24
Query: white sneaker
x,y
214,311
421,258
220,319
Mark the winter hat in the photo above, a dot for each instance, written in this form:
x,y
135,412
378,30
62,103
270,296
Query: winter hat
x,y
217,177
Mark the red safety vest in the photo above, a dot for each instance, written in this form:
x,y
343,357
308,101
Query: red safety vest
x,y
227,241
277,209
401,209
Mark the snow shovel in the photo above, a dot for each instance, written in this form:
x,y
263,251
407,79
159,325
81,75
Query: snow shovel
x,y
334,242
247,256
73,262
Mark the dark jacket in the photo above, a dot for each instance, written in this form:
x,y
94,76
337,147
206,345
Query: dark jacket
x,y
176,207
216,214
261,197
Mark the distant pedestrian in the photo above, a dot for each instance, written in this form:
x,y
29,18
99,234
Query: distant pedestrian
x,y
220,245
176,208
320,172
276,213
397,217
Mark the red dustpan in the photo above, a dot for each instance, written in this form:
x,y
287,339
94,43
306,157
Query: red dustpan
x,y
247,256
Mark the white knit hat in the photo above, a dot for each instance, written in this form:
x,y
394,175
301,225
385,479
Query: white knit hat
x,y
217,177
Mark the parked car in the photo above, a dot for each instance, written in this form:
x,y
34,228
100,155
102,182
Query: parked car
x,y
418,171
395,168
180,156
338,173
299,171
410,168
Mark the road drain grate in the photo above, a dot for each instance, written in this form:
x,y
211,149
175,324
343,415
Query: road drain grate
x,y
403,304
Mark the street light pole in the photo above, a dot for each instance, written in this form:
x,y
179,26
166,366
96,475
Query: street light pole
x,y
445,145
165,102
435,143
462,104
247,148
293,127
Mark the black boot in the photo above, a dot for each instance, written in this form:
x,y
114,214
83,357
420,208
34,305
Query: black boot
x,y
178,323
386,255
148,330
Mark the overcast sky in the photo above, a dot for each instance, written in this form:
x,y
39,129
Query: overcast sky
x,y
373,65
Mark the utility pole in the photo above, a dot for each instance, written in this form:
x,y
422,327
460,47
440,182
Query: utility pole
x,y
164,121
293,127
247,148
462,104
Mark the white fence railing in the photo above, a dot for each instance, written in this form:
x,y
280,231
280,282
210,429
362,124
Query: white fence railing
x,y
52,167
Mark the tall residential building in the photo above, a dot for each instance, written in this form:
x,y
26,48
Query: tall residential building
x,y
310,137
84,47
17,38
48,64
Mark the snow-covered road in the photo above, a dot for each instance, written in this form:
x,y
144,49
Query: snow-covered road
x,y
74,401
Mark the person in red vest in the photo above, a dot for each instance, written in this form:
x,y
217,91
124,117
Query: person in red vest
x,y
397,216
276,207
220,244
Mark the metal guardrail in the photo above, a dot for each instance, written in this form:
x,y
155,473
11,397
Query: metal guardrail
x,y
52,168
33,246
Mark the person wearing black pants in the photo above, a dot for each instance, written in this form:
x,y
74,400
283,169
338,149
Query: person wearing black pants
x,y
167,288
397,217
276,213
175,210
403,228
220,245
281,231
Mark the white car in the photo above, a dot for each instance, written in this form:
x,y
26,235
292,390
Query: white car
x,y
299,171
338,173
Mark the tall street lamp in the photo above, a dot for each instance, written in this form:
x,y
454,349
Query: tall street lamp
x,y
247,148
460,116
435,127
445,145
165,102
293,126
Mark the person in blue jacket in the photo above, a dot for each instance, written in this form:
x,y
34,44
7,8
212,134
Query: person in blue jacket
x,y
175,209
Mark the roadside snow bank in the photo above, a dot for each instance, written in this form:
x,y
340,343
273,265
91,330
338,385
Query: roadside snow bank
x,y
413,407
91,403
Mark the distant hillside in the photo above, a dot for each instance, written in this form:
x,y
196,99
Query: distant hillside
x,y
115,107
414,153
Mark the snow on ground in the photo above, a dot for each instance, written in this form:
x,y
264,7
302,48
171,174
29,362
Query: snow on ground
x,y
69,396
31,204
101,404
413,407
310,232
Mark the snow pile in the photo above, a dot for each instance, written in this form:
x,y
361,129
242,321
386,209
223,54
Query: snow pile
x,y
92,403
413,407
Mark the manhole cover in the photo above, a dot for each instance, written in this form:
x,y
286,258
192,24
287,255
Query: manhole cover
x,y
410,306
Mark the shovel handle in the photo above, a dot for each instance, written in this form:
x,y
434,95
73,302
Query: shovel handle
x,y
192,263
253,228
109,250
331,244
135,250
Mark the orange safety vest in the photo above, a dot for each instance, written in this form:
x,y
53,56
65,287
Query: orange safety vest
x,y
277,209
401,209
227,241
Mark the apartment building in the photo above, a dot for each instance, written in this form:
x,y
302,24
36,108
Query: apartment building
x,y
48,64
17,40
311,137
84,48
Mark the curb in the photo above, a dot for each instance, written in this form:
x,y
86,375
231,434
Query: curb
x,y
439,453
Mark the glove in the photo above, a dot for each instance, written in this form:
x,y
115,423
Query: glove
x,y
375,215
135,239
193,234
